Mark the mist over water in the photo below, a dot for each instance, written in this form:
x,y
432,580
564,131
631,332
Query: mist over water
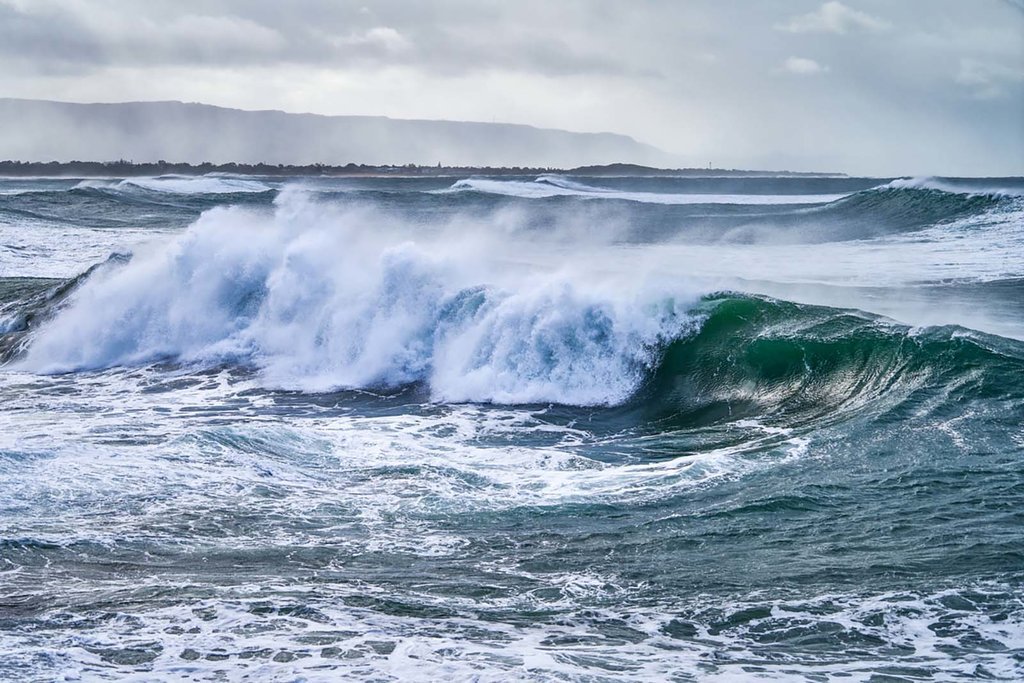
x,y
537,428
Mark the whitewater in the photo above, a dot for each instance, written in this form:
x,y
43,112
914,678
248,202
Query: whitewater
x,y
511,428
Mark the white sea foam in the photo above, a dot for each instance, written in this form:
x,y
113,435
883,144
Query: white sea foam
x,y
46,249
355,485
299,635
76,448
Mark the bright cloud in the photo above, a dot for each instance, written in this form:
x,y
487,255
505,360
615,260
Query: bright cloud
x,y
803,66
833,17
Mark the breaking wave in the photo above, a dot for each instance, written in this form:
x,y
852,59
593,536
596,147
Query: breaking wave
x,y
558,186
177,184
316,305
312,301
992,187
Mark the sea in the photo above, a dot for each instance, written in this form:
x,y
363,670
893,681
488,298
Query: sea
x,y
511,428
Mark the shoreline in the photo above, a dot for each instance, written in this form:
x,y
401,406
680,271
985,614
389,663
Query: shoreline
x,y
128,169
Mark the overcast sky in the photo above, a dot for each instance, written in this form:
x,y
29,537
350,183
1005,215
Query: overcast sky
x,y
864,86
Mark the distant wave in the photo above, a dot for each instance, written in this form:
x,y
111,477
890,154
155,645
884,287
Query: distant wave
x,y
991,187
209,184
557,186
903,205
553,185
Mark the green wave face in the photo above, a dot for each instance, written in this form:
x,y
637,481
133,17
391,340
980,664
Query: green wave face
x,y
796,364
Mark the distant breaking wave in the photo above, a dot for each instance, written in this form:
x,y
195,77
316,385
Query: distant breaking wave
x,y
557,186
991,187
174,184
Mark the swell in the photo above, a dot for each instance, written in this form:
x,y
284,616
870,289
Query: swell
x,y
697,210
112,207
993,187
752,212
874,213
910,206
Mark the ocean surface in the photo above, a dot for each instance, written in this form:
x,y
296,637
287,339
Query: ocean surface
x,y
533,428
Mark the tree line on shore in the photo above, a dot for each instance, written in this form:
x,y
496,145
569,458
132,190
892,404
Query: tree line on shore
x,y
124,168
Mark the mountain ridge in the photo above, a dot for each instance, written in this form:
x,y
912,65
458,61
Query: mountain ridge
x,y
195,132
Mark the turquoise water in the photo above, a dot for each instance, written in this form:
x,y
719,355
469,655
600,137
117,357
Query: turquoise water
x,y
511,429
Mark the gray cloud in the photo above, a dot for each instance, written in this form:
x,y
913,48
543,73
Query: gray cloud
x,y
312,32
989,80
869,86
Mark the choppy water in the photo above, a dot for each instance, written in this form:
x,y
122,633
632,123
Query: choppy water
x,y
511,429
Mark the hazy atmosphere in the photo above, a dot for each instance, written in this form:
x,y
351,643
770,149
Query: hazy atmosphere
x,y
866,87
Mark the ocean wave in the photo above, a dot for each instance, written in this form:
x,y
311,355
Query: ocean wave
x,y
546,186
731,485
990,187
175,184
316,305
314,301
887,209
767,358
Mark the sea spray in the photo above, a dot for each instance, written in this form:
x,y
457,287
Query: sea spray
x,y
318,297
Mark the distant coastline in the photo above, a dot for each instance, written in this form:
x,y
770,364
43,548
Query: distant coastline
x,y
123,168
